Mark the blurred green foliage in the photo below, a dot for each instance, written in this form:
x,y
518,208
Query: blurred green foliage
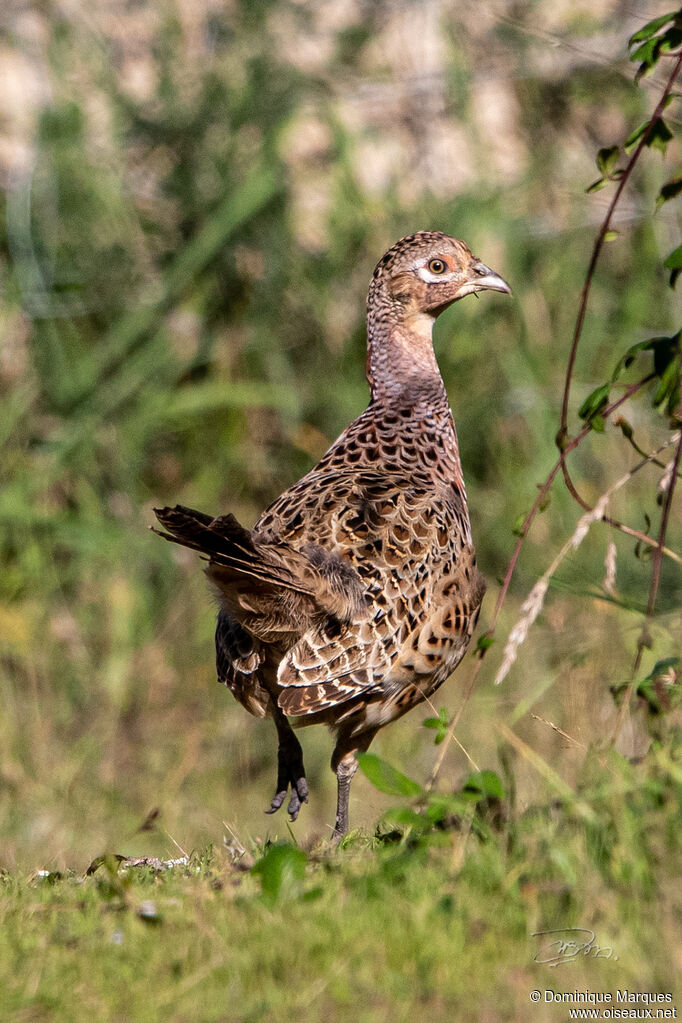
x,y
182,323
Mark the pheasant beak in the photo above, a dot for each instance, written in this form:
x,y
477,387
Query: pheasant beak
x,y
484,279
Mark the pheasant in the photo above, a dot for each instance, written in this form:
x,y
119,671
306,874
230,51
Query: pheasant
x,y
356,593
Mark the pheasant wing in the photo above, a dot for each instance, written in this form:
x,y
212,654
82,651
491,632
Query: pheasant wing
x,y
409,543
239,658
267,585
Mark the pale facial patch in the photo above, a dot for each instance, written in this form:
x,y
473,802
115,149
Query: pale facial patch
x,y
429,278
469,289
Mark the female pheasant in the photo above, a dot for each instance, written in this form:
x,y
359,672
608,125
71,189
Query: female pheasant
x,y
356,593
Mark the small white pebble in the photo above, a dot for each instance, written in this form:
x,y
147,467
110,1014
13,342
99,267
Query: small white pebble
x,y
148,910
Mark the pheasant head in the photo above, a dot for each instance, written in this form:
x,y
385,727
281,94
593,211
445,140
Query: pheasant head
x,y
413,283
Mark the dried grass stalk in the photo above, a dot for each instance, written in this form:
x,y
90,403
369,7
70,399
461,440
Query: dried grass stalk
x,y
533,604
609,582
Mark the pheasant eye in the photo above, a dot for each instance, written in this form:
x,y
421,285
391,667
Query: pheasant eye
x,y
437,266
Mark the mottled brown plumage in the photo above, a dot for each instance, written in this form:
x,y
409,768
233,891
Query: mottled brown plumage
x,y
356,593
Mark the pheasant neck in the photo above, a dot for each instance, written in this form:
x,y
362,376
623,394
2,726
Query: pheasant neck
x,y
401,363
403,375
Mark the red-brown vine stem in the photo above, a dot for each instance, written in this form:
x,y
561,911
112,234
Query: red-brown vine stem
x,y
665,515
643,640
565,447
596,252
614,523
584,297
544,489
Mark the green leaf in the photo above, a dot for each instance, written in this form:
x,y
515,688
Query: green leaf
x,y
660,136
607,159
674,264
642,71
651,28
596,186
669,190
386,778
443,804
670,40
667,396
440,724
674,260
110,861
486,784
626,361
647,52
517,527
625,427
661,667
665,349
594,401
281,870
484,643
403,817
610,236
632,139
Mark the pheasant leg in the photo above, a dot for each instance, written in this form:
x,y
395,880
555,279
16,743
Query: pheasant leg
x,y
345,764
290,770
345,770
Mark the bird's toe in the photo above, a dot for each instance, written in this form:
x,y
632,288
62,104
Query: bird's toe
x,y
294,805
302,789
277,801
299,795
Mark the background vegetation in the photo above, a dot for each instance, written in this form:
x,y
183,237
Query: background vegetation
x,y
196,195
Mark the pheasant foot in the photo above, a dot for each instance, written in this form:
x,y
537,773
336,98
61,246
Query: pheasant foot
x,y
299,795
290,770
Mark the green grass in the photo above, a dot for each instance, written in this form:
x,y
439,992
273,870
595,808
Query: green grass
x,y
436,922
